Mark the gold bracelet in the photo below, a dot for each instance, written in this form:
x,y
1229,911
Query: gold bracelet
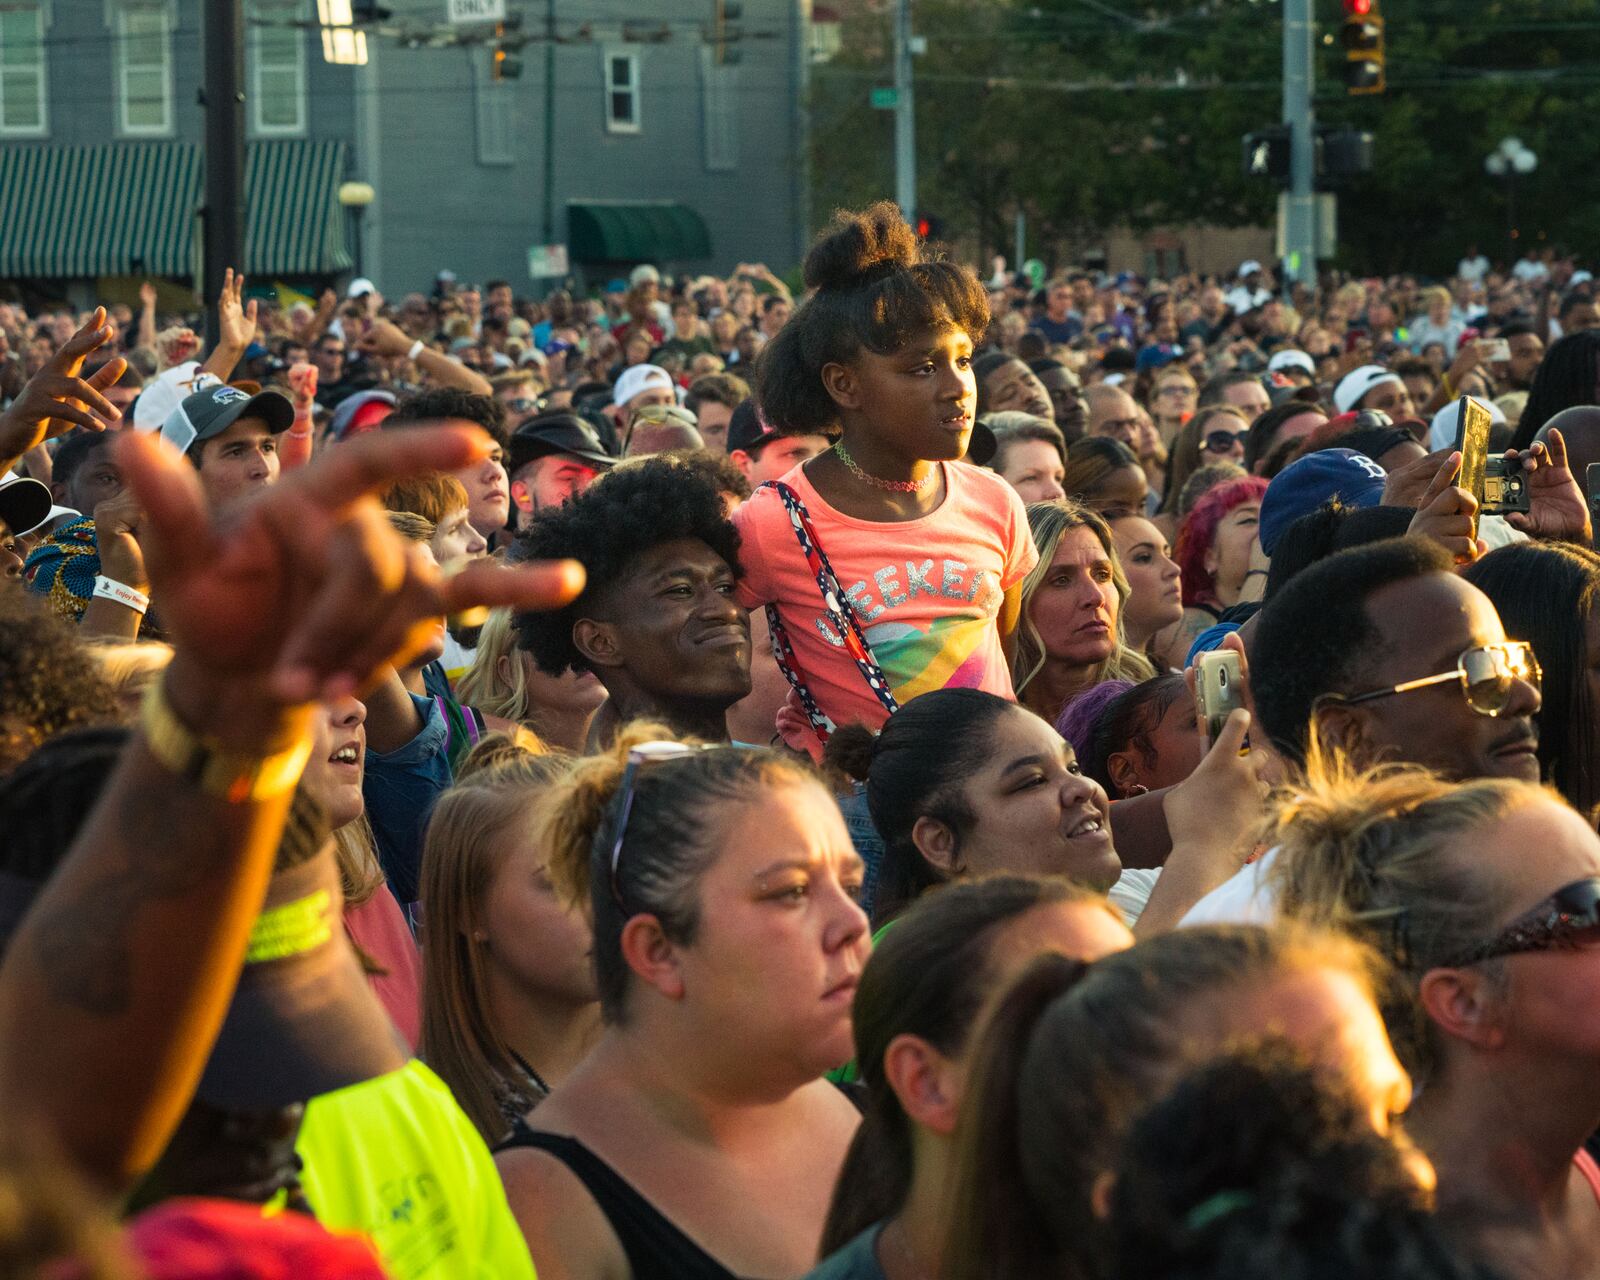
x,y
234,776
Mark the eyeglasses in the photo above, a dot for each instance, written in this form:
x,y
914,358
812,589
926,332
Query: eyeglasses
x,y
1177,389
524,406
1222,441
1487,673
1568,918
646,753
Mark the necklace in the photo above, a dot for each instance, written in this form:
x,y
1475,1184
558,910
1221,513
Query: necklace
x,y
877,482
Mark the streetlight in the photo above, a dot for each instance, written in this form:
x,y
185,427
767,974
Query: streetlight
x,y
355,197
1509,161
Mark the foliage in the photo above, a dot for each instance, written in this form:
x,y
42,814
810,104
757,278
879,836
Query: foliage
x,y
1090,114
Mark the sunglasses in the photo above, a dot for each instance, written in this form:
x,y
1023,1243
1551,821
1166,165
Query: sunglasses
x,y
524,406
1568,918
1178,389
1487,674
1222,441
646,753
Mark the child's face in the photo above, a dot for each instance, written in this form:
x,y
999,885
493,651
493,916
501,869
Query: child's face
x,y
916,403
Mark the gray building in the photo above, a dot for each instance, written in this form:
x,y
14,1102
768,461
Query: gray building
x,y
675,134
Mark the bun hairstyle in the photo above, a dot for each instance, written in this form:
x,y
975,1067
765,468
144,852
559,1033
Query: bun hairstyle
x,y
872,286
673,835
1254,1166
1066,1060
916,767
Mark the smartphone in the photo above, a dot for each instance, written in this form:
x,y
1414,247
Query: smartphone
x,y
1498,485
1218,688
1494,348
1592,482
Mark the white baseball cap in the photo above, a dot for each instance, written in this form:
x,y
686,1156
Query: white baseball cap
x,y
1248,267
360,287
639,378
1355,384
1291,359
1447,422
166,391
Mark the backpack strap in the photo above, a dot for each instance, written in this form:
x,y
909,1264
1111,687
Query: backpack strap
x,y
840,613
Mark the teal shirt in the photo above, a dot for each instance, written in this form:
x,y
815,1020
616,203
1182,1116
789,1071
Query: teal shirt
x,y
858,1260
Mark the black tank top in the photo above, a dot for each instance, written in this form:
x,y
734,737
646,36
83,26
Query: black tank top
x,y
655,1247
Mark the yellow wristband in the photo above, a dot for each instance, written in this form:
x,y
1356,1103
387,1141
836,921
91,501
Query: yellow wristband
x,y
234,776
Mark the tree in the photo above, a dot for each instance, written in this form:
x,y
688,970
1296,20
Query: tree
x,y
1088,118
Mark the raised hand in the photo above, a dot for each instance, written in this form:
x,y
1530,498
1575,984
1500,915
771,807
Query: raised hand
x,y
236,319
303,383
57,399
1448,514
1556,507
307,591
383,338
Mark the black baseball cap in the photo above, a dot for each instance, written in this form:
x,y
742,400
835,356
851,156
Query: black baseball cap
x,y
210,412
556,432
24,504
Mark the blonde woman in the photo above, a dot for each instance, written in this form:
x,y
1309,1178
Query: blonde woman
x,y
505,682
1069,636
1485,896
509,1004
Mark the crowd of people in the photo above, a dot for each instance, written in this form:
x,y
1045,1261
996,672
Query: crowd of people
x,y
706,780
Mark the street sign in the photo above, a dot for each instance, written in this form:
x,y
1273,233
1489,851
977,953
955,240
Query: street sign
x,y
475,10
547,261
885,99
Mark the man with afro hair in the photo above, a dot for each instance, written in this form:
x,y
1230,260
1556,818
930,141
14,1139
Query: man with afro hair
x,y
657,622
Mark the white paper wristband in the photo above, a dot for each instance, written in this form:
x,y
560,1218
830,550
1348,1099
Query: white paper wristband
x,y
109,589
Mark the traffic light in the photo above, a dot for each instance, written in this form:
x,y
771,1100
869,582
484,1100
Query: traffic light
x,y
1362,37
930,226
1266,153
504,64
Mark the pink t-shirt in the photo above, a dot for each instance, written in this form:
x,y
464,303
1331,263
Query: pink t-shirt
x,y
378,927
927,591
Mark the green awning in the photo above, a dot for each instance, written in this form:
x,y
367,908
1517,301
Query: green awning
x,y
636,231
294,224
133,209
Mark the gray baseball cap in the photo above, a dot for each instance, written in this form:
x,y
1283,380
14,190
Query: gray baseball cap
x,y
210,412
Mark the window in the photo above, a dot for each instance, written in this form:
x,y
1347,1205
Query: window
x,y
719,105
492,103
277,70
144,69
622,92
22,109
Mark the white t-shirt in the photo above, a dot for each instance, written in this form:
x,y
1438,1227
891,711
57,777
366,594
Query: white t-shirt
x,y
1473,269
1244,899
1131,893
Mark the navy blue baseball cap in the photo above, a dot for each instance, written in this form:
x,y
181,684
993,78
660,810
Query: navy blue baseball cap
x,y
1308,482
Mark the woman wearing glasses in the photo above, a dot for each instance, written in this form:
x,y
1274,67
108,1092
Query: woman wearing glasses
x,y
698,1138
1485,896
1173,397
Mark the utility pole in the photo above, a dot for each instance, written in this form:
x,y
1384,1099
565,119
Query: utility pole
x,y
1300,206
550,121
222,96
905,120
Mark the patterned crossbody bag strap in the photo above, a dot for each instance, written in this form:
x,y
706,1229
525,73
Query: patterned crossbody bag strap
x,y
840,613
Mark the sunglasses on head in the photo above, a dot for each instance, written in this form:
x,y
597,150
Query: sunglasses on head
x,y
1487,674
646,753
658,414
1567,919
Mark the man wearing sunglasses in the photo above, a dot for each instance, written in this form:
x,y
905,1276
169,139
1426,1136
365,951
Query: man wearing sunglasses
x,y
1384,654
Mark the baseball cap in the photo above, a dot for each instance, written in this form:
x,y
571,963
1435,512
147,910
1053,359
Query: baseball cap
x,y
748,428
24,504
360,287
1289,358
1249,267
638,378
1308,482
1446,424
165,392
1157,355
619,285
556,432
359,412
1358,382
644,273
211,412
